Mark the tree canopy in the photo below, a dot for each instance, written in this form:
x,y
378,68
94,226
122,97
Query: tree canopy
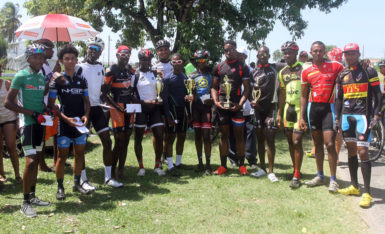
x,y
188,24
9,20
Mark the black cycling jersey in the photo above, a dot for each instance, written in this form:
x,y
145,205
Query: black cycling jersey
x,y
175,85
120,81
356,88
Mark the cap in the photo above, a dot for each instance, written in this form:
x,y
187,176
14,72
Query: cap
x,y
351,47
242,50
124,47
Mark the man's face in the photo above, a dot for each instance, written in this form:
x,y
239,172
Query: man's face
x,y
163,53
177,64
123,57
69,61
303,58
290,56
263,55
144,64
93,53
48,53
242,57
382,70
201,63
317,52
352,57
36,61
230,52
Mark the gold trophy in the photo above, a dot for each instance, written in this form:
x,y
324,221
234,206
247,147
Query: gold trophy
x,y
190,85
256,92
227,87
159,87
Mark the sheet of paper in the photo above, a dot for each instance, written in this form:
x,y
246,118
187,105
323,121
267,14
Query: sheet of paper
x,y
48,120
79,127
205,97
131,108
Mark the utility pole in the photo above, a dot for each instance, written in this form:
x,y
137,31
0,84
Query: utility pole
x,y
108,59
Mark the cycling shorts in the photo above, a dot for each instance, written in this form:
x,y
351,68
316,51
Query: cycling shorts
x,y
226,117
320,116
180,120
64,142
201,115
355,128
260,120
121,121
32,139
150,116
98,119
66,130
290,117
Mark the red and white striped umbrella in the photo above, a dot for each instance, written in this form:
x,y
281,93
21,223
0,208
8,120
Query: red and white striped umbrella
x,y
56,27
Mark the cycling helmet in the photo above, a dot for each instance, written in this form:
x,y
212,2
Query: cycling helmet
x,y
46,43
34,48
162,43
381,63
145,54
335,54
95,41
201,54
289,45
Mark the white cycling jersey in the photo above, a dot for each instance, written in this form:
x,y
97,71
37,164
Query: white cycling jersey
x,y
94,74
165,67
146,86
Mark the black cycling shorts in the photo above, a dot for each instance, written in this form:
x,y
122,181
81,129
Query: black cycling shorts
x,y
63,129
355,128
260,120
98,119
201,115
226,117
179,117
151,116
32,139
320,116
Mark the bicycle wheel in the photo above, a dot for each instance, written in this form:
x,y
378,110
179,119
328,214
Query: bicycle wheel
x,y
377,141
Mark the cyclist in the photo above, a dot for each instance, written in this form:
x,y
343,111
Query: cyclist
x,y
74,112
94,72
118,82
144,85
303,57
289,107
356,89
317,97
201,109
238,74
32,84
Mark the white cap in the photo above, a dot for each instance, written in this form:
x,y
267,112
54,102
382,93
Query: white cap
x,y
242,50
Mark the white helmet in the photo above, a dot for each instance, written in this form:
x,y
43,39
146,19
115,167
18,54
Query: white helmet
x,y
95,41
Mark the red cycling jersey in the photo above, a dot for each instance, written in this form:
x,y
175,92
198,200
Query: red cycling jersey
x,y
321,81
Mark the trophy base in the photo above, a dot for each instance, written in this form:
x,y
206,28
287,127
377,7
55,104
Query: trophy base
x,y
159,99
226,105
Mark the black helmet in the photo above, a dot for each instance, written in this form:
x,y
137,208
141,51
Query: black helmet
x,y
289,45
201,54
145,54
381,63
162,43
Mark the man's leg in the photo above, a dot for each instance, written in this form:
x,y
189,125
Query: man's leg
x,y
206,130
9,131
270,139
78,163
289,136
329,139
250,141
198,145
233,154
180,139
139,132
223,148
63,150
240,146
123,155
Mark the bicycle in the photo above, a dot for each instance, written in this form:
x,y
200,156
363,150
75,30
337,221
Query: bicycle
x,y
377,141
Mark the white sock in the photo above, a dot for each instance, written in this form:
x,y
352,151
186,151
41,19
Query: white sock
x,y
170,163
178,160
83,176
107,173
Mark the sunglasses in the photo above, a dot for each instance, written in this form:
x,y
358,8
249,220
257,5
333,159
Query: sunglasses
x,y
228,50
37,51
201,60
94,47
124,55
175,62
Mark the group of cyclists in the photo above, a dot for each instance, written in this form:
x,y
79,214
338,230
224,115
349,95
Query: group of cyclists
x,y
248,104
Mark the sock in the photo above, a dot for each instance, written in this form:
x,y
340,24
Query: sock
x,y
83,176
107,173
208,159
200,159
333,177
140,162
224,161
170,163
26,197
353,167
320,174
33,189
297,174
157,163
242,161
76,179
366,169
178,160
60,183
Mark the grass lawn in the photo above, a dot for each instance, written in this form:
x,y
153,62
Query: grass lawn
x,y
191,204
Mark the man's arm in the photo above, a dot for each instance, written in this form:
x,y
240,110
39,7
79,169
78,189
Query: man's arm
x,y
338,102
85,117
304,100
11,103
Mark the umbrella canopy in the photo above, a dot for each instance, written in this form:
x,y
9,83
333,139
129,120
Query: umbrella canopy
x,y
56,27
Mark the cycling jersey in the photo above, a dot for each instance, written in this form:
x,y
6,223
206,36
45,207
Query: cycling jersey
x,y
202,84
356,88
166,68
290,80
120,81
321,80
146,85
94,74
175,85
32,86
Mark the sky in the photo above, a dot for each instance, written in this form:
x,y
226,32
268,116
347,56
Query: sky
x,y
356,21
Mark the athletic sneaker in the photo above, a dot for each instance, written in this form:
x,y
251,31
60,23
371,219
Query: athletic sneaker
x,y
200,168
141,172
351,190
309,154
173,172
221,170
183,167
36,201
333,186
272,177
316,181
27,210
88,186
259,173
295,183
159,171
253,166
80,189
208,171
365,200
243,170
60,195
113,183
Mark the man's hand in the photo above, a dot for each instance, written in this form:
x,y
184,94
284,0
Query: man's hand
x,y
236,107
59,78
189,98
279,124
38,117
255,105
269,122
160,73
303,124
337,125
374,121
220,105
70,121
84,120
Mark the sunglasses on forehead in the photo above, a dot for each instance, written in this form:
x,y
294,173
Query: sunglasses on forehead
x,y
201,60
94,47
175,62
124,55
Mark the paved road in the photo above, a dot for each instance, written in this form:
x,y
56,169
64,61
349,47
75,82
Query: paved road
x,y
375,215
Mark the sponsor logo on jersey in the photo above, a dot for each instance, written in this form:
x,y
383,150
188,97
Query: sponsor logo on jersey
x,y
30,87
73,91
